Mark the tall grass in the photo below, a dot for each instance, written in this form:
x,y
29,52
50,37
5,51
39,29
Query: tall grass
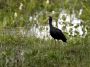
x,y
17,51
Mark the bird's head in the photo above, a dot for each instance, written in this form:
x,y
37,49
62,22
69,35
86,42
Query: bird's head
x,y
50,18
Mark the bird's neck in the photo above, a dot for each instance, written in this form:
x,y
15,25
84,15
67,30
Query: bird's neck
x,y
50,24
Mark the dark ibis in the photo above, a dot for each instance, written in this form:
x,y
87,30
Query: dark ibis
x,y
55,32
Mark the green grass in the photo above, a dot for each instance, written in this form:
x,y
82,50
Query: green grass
x,y
17,51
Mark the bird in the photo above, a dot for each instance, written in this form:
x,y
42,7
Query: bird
x,y
56,33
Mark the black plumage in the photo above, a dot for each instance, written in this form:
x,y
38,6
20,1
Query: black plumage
x,y
55,32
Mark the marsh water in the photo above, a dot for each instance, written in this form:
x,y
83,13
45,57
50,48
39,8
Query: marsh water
x,y
71,25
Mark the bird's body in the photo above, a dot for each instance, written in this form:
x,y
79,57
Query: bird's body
x,y
55,32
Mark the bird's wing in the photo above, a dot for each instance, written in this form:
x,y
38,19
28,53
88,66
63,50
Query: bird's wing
x,y
60,33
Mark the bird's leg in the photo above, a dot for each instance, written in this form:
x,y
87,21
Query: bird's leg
x,y
55,41
50,42
58,42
